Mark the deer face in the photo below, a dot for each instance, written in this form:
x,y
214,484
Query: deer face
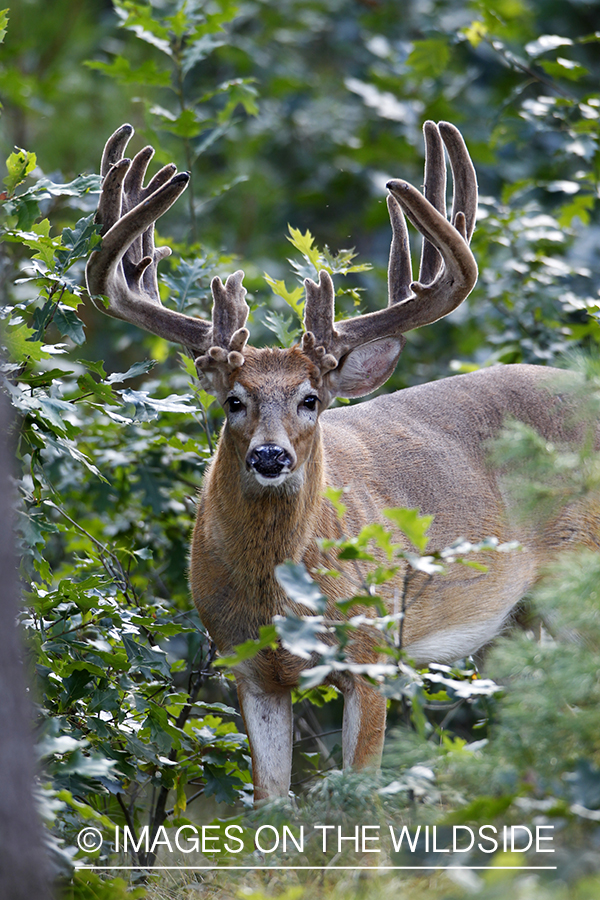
x,y
274,398
272,403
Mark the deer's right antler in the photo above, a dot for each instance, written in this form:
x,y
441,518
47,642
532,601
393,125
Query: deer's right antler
x,y
123,269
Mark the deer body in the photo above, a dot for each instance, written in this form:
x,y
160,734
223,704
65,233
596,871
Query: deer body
x,y
422,447
426,447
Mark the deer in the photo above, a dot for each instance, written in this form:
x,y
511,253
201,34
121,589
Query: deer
x,y
263,497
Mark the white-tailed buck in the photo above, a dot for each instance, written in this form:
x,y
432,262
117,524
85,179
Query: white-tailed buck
x,y
425,447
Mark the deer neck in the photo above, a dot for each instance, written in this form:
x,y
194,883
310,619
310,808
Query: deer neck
x,y
257,528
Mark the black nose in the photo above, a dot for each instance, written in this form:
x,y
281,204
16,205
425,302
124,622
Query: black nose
x,y
269,460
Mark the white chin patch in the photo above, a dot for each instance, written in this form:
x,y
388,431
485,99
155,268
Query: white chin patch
x,y
271,482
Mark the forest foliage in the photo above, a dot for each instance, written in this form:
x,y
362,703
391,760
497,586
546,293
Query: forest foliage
x,y
290,117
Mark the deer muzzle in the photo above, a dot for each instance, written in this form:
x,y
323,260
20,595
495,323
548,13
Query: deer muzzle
x,y
269,461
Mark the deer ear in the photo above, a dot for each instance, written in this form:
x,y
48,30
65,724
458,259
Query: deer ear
x,y
212,381
213,375
366,368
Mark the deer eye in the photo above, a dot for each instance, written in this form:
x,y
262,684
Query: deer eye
x,y
235,405
310,402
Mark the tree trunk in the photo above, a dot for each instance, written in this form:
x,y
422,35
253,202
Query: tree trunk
x,y
23,865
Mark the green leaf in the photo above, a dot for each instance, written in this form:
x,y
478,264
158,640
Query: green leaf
x,y
94,766
580,207
412,524
299,586
183,282
340,263
429,58
319,696
157,729
369,600
77,242
479,567
301,635
85,811
43,379
147,408
334,495
99,391
54,411
482,809
224,787
79,187
69,667
18,165
545,43
180,22
204,397
249,649
146,659
38,239
241,93
68,323
313,759
108,700
305,244
294,298
142,20
353,551
144,553
121,70
185,125
283,327
70,448
564,68
381,537
198,50
18,343
75,687
28,211
3,23
475,33
180,795
138,368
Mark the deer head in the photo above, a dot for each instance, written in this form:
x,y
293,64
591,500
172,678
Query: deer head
x,y
273,398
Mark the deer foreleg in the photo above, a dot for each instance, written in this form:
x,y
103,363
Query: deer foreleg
x,y
363,727
268,721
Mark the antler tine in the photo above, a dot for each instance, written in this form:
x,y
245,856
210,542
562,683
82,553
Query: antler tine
x,y
435,192
463,176
399,265
229,335
123,268
114,148
321,340
319,308
230,312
